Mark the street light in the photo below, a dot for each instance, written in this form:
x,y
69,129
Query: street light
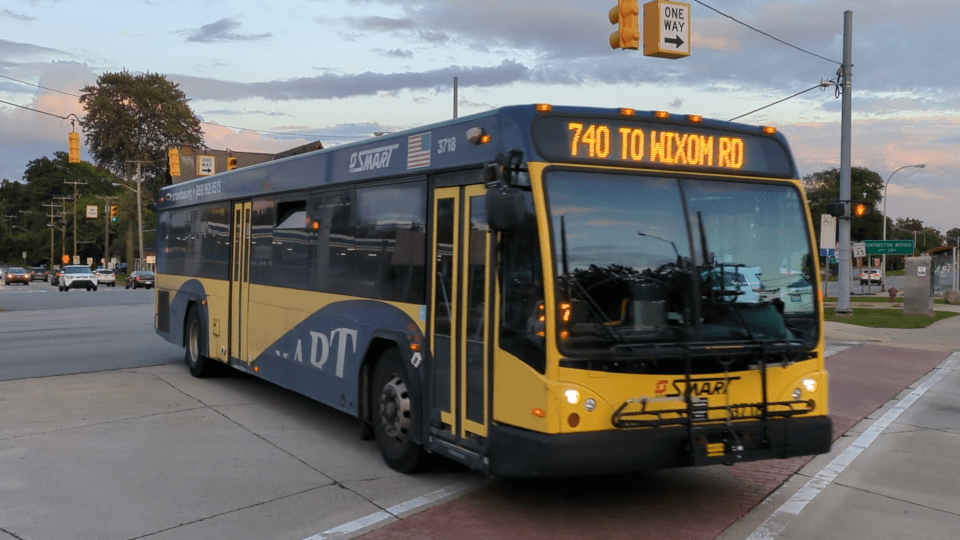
x,y
883,282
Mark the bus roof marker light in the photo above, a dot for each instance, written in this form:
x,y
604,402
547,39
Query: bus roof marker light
x,y
661,114
544,107
769,130
476,135
627,112
695,118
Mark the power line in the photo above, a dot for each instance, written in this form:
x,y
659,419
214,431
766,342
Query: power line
x,y
39,111
317,135
775,102
766,34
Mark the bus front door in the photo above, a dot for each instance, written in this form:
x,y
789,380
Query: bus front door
x,y
459,330
240,282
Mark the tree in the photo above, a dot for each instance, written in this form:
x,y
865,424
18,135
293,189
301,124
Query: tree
x,y
865,185
925,238
137,118
953,237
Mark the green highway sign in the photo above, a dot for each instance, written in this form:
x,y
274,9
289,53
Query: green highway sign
x,y
889,247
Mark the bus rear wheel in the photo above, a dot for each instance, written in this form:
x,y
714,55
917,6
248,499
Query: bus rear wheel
x,y
394,414
194,343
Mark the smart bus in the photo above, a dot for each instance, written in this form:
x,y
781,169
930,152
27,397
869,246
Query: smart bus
x,y
533,291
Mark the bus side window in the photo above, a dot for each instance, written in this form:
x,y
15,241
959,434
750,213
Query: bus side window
x,y
521,290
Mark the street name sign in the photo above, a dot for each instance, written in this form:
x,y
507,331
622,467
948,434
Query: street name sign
x,y
889,247
666,29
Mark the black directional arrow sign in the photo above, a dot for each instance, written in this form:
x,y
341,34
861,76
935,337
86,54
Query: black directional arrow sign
x,y
675,41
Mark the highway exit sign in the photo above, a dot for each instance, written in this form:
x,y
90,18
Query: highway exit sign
x,y
666,29
889,247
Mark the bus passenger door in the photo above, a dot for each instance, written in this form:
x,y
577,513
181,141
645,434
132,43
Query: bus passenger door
x,y
240,282
459,315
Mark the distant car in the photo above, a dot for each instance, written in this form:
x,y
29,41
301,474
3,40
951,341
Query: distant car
x,y
77,277
16,275
871,276
121,268
140,278
106,277
39,273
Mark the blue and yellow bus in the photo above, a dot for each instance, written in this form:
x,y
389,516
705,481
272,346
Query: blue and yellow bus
x,y
533,291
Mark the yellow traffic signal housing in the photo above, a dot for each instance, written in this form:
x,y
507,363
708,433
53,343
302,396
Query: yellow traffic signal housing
x,y
113,214
626,16
74,146
231,163
862,209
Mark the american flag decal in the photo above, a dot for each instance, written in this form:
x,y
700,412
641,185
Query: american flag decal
x,y
418,151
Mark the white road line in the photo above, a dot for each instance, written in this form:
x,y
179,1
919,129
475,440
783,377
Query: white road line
x,y
777,521
456,490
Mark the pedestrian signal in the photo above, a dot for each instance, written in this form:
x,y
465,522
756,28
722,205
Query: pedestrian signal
x,y
836,209
862,209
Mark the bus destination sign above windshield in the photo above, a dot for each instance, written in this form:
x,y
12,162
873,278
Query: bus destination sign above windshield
x,y
659,145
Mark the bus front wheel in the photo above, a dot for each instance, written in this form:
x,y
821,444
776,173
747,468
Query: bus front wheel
x,y
199,367
394,414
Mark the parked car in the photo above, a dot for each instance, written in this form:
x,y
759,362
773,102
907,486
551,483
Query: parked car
x,y
740,283
39,272
77,276
140,278
106,277
16,275
871,276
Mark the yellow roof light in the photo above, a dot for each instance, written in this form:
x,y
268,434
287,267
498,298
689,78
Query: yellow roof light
x,y
695,118
544,107
627,112
661,114
769,130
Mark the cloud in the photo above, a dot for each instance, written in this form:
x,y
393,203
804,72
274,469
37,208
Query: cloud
x,y
16,16
396,53
220,31
333,86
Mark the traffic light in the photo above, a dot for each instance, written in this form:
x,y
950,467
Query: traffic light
x,y
73,140
113,214
626,16
231,163
862,209
836,209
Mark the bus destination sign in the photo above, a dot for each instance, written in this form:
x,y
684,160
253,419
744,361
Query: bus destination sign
x,y
659,145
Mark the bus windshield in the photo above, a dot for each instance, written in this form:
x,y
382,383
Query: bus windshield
x,y
643,260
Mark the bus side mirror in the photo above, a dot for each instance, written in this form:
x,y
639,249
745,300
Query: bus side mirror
x,y
505,208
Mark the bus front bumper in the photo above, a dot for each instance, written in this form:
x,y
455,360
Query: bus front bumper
x,y
519,453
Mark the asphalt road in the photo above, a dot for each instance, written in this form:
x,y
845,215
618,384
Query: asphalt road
x,y
56,333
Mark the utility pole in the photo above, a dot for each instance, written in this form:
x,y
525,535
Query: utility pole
x,y
139,208
106,229
75,184
843,255
51,215
63,231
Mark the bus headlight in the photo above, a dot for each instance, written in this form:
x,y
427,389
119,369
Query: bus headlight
x,y
573,396
590,404
810,385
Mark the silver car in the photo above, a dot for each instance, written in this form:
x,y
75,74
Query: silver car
x,y
106,277
77,277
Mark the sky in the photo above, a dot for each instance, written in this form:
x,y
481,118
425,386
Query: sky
x,y
268,76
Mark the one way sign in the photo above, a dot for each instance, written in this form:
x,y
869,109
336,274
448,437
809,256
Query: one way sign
x,y
666,29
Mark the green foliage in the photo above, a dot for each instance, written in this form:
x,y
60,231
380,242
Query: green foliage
x,y
824,186
136,117
885,318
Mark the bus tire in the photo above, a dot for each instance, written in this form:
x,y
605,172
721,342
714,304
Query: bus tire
x,y
394,414
194,343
